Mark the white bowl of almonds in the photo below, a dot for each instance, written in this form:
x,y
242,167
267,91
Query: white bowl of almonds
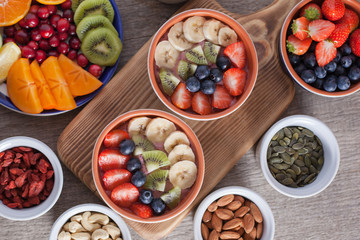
x,y
89,221
234,213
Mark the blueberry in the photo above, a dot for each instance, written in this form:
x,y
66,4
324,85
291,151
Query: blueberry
x,y
308,76
202,72
208,87
343,83
353,57
330,83
338,57
346,61
294,59
312,46
339,70
300,68
310,60
223,63
127,147
216,75
345,49
318,83
354,73
138,179
320,72
193,84
158,206
146,196
133,165
330,67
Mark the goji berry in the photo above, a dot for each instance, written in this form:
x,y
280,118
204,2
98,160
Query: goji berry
x,y
34,200
11,185
2,155
18,155
16,171
34,158
26,160
35,178
35,188
27,204
17,160
14,165
4,177
49,185
19,182
13,192
9,154
42,166
49,174
17,199
13,205
25,192
25,149
7,194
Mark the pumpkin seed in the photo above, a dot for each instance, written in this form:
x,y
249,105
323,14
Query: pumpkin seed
x,y
275,160
298,146
281,134
279,149
313,169
275,137
287,181
287,140
287,133
280,176
296,169
290,151
285,157
299,163
292,173
310,177
283,143
307,161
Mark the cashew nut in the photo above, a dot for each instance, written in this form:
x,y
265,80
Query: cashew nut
x,y
66,227
76,218
119,239
81,236
85,222
99,234
75,227
99,218
112,230
64,236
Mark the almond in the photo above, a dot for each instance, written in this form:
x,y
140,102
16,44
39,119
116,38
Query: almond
x,y
225,200
249,223
233,206
224,214
216,223
232,224
204,231
252,234
241,231
209,225
247,237
207,216
247,203
214,235
212,207
242,211
237,228
255,211
239,198
229,235
259,230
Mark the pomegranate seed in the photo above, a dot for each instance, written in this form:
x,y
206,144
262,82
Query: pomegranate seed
x,y
69,15
63,36
6,40
31,20
72,54
54,19
54,41
74,43
82,60
10,31
44,45
22,36
52,9
53,53
46,30
72,30
62,25
40,56
63,48
43,12
22,24
27,52
34,45
95,70
66,5
34,9
35,35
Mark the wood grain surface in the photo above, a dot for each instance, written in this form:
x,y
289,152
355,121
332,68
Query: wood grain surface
x,y
333,214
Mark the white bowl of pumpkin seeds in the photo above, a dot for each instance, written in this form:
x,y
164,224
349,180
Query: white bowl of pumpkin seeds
x,y
299,156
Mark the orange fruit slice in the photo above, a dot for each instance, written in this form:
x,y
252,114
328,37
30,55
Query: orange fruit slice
x,y
22,89
80,81
56,80
12,11
46,98
51,2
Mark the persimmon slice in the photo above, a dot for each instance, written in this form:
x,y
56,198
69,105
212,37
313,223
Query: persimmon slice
x,y
13,11
57,83
22,89
80,81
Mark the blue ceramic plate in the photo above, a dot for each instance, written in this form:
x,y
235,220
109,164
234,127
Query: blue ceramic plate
x,y
105,78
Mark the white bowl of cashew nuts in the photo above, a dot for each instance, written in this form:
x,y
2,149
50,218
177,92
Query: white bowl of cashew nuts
x,y
89,222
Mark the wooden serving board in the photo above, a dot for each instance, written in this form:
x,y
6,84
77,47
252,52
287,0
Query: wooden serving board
x,y
224,141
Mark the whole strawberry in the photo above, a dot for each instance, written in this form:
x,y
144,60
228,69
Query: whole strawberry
x,y
142,210
333,9
311,11
340,34
300,28
350,17
355,42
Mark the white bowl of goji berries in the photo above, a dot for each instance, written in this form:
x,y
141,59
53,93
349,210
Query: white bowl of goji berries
x,y
31,178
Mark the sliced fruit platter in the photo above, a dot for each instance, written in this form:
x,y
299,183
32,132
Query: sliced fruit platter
x,y
57,54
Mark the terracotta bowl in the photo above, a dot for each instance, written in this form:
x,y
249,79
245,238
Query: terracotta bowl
x,y
355,6
194,141
242,34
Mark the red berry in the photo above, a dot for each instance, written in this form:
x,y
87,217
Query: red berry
x,y
22,24
181,97
54,41
72,30
6,40
69,15
234,81
115,177
82,60
10,31
53,53
54,19
46,30
125,194
201,103
112,159
52,9
114,138
35,35
63,48
311,11
44,45
66,5
40,56
297,46
34,9
333,9
350,17
340,34
31,20
237,54
299,28
72,54
355,42
141,210
34,45
43,12
63,25
95,70
22,36
63,36
74,43
28,52
221,99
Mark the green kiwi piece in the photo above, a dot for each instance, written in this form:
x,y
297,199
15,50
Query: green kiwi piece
x,y
102,46
142,144
155,159
196,55
211,51
185,69
168,81
156,180
92,22
172,198
94,7
75,4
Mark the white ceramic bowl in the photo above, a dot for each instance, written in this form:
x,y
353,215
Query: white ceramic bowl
x,y
268,217
331,155
65,217
35,211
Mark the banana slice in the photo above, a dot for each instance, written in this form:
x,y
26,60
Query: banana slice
x,y
174,139
193,29
227,36
166,55
181,152
211,30
183,174
137,126
177,39
159,129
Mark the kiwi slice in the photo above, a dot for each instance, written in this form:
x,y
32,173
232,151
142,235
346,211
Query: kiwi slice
x,y
185,69
75,4
94,7
196,55
142,144
172,198
168,81
156,180
155,159
211,51
92,22
102,46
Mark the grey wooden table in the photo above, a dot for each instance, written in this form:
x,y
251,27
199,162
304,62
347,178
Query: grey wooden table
x,y
332,214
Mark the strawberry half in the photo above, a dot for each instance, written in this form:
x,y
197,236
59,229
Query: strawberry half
x,y
112,159
221,99
142,210
181,97
124,195
114,138
333,9
237,54
319,30
350,17
311,11
300,27
355,42
234,81
201,104
340,34
325,52
297,46
115,177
